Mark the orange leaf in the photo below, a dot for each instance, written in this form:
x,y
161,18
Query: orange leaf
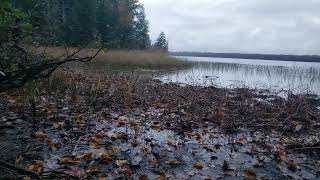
x,y
40,136
250,174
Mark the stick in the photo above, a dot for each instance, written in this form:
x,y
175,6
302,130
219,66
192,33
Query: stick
x,y
20,170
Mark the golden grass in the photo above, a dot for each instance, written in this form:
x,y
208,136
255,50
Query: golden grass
x,y
125,58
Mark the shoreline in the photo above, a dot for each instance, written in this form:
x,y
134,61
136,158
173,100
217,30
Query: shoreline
x,y
217,130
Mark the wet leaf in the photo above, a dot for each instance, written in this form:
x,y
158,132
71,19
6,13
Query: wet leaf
x,y
19,158
85,156
156,126
229,173
121,162
26,178
94,145
92,170
225,166
292,165
98,137
143,177
79,119
133,124
153,163
75,172
198,165
40,136
115,150
173,162
249,174
105,157
120,135
37,167
161,177
125,171
69,161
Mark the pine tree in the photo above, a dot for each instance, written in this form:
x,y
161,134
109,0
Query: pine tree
x,y
161,42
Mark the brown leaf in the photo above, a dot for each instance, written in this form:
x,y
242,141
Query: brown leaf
x,y
115,150
69,161
94,145
79,119
133,124
125,171
19,158
37,167
92,170
143,177
292,165
249,174
98,137
198,165
26,178
156,126
105,157
173,162
161,177
75,172
121,162
120,135
40,136
85,156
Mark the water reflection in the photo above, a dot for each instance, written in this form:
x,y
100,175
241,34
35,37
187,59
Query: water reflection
x,y
299,77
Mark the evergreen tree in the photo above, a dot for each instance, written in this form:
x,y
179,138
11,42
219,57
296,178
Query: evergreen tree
x,y
141,26
161,42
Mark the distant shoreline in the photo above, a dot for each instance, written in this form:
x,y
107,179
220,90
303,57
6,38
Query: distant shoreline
x,y
300,58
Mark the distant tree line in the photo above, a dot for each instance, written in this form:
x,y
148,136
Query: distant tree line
x,y
306,58
114,24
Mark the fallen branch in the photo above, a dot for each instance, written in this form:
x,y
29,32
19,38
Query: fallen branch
x,y
20,170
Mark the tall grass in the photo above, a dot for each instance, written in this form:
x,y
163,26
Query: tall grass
x,y
125,58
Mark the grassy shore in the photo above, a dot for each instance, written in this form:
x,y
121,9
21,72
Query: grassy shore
x,y
126,59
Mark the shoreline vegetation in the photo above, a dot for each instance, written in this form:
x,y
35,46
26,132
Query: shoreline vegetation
x,y
277,57
125,59
89,123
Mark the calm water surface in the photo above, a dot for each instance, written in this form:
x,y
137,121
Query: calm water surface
x,y
299,77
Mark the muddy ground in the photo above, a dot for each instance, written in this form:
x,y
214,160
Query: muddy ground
x,y
80,125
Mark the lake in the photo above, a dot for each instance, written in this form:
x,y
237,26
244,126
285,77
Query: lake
x,y
298,77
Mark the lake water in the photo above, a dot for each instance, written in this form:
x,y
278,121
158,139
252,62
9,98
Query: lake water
x,y
298,77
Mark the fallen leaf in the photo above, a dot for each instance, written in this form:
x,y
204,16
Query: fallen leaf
x,y
143,177
79,119
121,162
19,158
92,170
120,135
133,123
26,178
53,146
198,165
98,137
94,145
125,171
229,173
173,162
115,150
292,165
75,172
37,167
69,161
85,156
161,177
40,136
105,157
156,126
153,163
249,174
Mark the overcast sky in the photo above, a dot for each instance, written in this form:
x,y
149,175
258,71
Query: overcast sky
x,y
247,26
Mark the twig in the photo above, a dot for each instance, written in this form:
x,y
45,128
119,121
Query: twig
x,y
20,170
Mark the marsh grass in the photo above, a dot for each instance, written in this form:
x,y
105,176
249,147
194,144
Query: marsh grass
x,y
125,59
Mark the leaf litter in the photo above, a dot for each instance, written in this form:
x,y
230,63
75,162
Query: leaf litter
x,y
149,130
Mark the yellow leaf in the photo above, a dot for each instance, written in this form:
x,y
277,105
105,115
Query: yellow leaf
x,y
250,174
40,136
121,162
156,126
105,157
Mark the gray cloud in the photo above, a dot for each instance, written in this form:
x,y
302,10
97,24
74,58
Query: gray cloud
x,y
249,26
